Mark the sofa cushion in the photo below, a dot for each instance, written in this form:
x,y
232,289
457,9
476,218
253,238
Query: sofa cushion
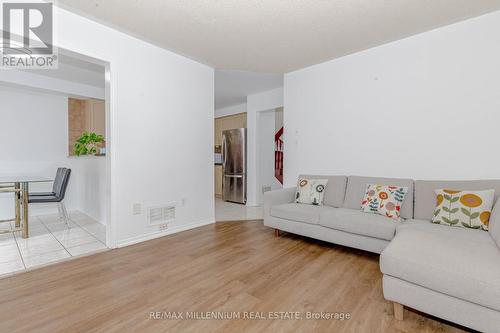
x,y
425,196
356,187
334,191
358,222
460,234
299,212
454,261
494,228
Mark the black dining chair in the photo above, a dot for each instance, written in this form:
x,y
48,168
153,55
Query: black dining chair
x,y
56,185
57,195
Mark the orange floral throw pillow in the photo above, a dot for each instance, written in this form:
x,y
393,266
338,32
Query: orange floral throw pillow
x,y
466,209
384,200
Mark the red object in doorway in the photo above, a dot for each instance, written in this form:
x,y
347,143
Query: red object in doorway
x,y
278,155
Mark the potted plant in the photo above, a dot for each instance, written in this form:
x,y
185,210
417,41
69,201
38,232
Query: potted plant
x,y
88,144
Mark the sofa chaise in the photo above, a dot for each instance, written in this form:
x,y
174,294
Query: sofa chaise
x,y
449,272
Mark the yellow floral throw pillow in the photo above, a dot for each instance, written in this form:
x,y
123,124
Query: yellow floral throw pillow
x,y
310,191
466,209
384,200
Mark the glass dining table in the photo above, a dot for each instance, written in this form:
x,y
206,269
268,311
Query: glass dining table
x,y
19,186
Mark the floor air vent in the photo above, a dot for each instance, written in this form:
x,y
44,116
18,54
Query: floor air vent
x,y
160,215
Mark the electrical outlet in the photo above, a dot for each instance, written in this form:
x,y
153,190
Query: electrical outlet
x,y
266,188
137,209
163,227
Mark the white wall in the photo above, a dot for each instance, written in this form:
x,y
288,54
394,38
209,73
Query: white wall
x,y
230,110
426,107
162,111
256,104
34,141
89,180
278,119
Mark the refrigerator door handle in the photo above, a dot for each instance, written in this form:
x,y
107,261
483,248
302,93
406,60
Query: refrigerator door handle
x,y
223,152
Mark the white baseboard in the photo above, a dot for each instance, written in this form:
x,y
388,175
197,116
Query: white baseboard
x,y
158,234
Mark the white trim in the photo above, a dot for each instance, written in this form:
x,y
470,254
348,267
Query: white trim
x,y
111,133
158,234
257,103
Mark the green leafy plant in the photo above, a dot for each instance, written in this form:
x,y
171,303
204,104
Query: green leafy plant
x,y
88,143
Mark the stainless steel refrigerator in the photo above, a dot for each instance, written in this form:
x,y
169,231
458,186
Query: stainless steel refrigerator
x,y
234,165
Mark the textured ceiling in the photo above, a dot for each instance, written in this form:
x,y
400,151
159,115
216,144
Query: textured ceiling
x,y
233,87
275,35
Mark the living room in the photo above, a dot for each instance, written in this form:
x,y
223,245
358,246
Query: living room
x,y
388,220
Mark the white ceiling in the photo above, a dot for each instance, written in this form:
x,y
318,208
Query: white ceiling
x,y
74,70
275,35
232,87
74,77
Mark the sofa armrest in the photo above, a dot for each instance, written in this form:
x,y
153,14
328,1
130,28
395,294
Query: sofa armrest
x,y
494,226
278,197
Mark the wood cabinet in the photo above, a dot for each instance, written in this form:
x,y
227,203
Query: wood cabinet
x,y
218,181
85,115
230,122
95,116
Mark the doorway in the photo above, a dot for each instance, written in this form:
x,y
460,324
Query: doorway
x,y
245,94
50,103
271,144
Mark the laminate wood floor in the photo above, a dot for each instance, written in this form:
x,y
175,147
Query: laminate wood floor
x,y
228,266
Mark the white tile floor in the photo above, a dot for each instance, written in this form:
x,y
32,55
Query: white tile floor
x,y
50,240
227,211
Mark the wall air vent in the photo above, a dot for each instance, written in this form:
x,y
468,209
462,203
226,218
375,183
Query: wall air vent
x,y
266,188
161,214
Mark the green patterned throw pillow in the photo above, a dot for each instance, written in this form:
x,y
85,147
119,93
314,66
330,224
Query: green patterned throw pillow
x,y
466,209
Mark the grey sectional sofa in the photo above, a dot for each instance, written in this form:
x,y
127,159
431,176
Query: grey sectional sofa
x,y
451,273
